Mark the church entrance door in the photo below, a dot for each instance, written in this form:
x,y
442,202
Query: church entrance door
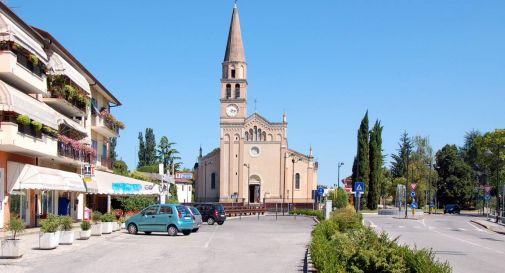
x,y
254,194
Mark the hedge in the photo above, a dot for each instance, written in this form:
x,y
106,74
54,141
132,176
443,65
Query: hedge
x,y
343,244
318,213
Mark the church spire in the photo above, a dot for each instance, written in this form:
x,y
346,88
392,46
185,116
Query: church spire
x,y
235,46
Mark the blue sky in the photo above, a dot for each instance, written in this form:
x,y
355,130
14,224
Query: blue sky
x,y
434,68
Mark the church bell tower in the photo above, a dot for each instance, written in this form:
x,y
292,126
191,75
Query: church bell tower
x,y
234,76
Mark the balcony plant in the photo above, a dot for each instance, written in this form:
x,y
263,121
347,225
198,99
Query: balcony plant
x,y
13,248
107,223
96,228
49,237
49,131
66,234
23,120
69,91
36,125
85,232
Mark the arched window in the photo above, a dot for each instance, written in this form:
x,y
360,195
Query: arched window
x,y
237,91
247,136
259,134
233,73
255,134
213,181
297,181
251,134
228,91
264,136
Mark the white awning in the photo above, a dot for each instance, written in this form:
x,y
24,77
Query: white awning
x,y
14,100
61,67
24,176
71,123
113,184
9,31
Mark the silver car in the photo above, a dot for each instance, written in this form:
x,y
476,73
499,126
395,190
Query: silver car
x,y
197,218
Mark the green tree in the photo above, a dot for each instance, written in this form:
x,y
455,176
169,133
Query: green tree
x,y
386,185
454,183
173,199
493,156
399,163
167,154
375,151
362,167
112,149
472,152
142,151
339,198
121,168
419,167
150,152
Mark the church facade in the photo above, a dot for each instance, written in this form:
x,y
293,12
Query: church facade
x,y
253,163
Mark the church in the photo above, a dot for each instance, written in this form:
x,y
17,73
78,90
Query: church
x,y
253,164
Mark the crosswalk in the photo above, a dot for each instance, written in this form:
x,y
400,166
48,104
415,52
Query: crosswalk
x,y
422,225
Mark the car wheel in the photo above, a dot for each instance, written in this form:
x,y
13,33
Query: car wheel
x,y
147,232
186,232
211,221
220,223
132,229
195,230
172,231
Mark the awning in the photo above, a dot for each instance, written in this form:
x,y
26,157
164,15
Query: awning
x,y
14,100
72,124
113,184
24,176
62,67
10,31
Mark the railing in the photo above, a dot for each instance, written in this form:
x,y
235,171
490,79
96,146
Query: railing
x,y
106,162
74,101
24,58
68,151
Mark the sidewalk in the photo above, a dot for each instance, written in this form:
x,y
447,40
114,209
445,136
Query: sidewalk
x,y
31,231
490,225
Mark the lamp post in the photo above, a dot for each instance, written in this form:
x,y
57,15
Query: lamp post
x,y
340,164
489,153
407,184
248,181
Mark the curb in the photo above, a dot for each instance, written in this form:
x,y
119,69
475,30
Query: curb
x,y
488,227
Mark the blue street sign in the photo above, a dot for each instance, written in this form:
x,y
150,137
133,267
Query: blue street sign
x,y
413,194
359,187
432,205
487,197
320,191
414,205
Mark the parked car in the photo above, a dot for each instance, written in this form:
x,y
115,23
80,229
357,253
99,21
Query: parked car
x,y
197,218
452,208
161,218
212,213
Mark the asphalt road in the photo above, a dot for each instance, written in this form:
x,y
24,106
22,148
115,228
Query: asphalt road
x,y
246,245
466,246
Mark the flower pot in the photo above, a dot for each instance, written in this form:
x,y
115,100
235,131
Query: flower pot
x,y
12,249
49,240
85,234
106,227
66,237
96,229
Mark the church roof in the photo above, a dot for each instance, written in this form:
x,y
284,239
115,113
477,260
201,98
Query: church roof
x,y
235,46
261,119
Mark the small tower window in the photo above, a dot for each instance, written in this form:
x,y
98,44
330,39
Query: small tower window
x,y
233,73
228,91
237,91
213,181
297,181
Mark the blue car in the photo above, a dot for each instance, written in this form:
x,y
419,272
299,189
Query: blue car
x,y
162,218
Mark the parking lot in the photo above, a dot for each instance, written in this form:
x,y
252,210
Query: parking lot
x,y
247,245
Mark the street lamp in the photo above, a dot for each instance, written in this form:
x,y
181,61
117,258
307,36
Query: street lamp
x,y
248,181
340,164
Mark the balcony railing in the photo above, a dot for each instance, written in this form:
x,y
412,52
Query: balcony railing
x,y
25,58
106,162
66,150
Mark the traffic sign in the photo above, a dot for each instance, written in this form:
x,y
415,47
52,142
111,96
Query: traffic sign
x,y
359,187
413,186
413,205
413,194
347,188
320,191
487,197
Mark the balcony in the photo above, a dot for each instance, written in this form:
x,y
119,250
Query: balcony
x,y
105,163
77,152
18,139
22,69
104,126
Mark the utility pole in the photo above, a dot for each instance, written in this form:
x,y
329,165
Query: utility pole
x,y
340,164
407,183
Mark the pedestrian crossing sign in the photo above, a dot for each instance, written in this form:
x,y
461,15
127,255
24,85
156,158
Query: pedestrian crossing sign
x,y
359,187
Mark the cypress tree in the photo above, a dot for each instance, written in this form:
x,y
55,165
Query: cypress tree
x,y
361,168
375,166
150,150
142,151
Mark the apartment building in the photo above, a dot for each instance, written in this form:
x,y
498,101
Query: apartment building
x,y
55,122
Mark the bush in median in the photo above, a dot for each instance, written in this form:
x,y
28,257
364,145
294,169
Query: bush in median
x,y
343,244
309,212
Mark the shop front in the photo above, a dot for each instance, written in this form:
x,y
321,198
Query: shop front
x,y
104,188
36,191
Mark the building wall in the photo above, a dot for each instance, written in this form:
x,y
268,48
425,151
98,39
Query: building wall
x,y
207,166
184,192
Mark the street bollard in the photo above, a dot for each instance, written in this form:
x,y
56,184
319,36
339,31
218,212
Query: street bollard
x,y
275,211
258,216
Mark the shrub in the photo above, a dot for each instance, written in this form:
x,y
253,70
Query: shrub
x,y
340,198
86,225
96,216
66,223
318,213
15,226
37,125
70,91
108,218
149,169
51,224
343,244
136,203
23,120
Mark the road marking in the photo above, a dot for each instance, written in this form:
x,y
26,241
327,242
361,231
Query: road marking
x,y
468,242
372,225
462,229
422,222
401,226
210,239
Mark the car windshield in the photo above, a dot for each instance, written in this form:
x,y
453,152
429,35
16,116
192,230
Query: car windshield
x,y
220,208
182,209
195,211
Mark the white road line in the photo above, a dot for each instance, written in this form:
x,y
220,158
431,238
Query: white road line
x,y
468,242
401,226
210,239
462,229
422,222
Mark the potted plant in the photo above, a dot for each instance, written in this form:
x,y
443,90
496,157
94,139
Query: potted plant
x,y
13,248
85,230
96,228
49,237
36,125
24,121
66,234
107,223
